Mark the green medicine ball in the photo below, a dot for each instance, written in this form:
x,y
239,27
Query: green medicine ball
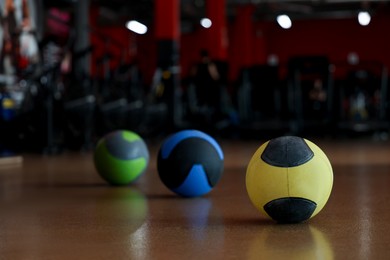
x,y
120,157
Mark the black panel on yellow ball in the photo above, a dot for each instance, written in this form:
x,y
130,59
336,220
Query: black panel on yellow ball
x,y
290,210
287,151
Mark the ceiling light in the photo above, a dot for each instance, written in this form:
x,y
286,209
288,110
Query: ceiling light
x,y
206,22
136,27
364,18
284,21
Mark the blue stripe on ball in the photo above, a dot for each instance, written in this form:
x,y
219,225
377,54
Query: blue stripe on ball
x,y
196,183
171,142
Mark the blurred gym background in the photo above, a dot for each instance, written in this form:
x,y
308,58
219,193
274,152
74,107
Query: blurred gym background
x,y
73,70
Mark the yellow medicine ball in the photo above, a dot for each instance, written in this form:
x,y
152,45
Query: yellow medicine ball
x,y
289,179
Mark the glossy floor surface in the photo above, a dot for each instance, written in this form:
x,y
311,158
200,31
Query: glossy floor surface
x,y
57,207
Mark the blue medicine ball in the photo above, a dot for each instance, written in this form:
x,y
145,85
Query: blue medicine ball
x,y
190,163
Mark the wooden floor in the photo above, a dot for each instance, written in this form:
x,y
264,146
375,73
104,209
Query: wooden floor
x,y
57,207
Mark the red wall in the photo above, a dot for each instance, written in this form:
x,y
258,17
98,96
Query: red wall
x,y
124,47
334,38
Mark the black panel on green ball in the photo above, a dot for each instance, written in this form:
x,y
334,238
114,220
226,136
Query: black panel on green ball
x,y
287,151
122,149
290,210
175,169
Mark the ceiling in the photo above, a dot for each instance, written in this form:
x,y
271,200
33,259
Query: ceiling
x,y
113,12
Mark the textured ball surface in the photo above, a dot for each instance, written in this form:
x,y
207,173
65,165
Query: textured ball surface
x,y
190,163
289,179
120,157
